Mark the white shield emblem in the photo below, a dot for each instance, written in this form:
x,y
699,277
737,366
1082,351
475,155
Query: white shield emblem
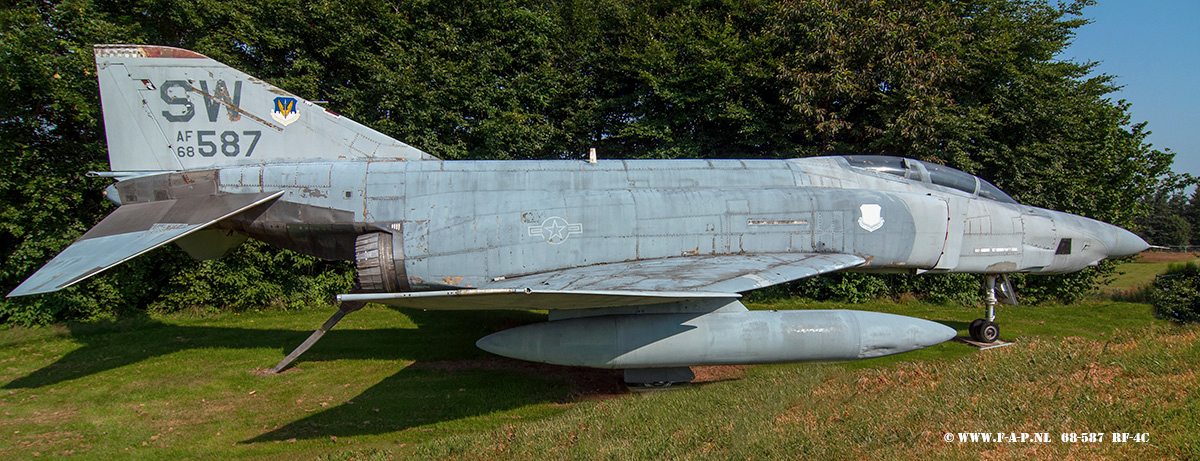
x,y
871,219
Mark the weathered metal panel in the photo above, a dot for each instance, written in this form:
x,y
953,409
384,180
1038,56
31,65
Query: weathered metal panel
x,y
602,175
347,188
312,186
957,208
929,218
529,232
384,188
313,175
992,239
676,222
1039,240
279,176
828,231
241,180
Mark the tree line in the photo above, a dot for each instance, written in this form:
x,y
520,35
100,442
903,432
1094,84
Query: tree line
x,y
971,84
1173,220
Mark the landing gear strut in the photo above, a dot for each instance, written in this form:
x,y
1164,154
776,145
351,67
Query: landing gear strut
x,y
986,330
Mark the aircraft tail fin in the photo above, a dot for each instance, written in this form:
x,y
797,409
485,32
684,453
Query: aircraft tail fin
x,y
169,109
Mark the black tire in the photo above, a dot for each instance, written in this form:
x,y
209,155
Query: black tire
x,y
655,385
989,332
973,330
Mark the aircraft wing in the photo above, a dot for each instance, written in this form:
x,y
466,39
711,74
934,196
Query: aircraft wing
x,y
530,298
132,230
630,283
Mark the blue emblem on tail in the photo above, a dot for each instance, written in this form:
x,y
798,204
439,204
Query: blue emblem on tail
x,y
285,111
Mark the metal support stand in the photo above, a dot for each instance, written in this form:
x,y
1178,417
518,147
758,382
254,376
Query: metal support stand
x,y
657,377
344,309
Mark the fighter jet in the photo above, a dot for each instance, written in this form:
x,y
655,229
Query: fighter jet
x,y
640,263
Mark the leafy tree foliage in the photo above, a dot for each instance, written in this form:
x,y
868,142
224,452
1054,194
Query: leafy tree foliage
x,y
1176,295
971,84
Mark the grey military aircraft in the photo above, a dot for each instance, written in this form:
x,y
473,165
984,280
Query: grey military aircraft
x,y
640,263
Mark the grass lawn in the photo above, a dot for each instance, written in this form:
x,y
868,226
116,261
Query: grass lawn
x,y
1141,271
397,383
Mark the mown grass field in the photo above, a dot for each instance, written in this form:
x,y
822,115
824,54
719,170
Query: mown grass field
x,y
390,383
1140,272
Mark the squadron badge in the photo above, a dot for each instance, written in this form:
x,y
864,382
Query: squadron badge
x,y
872,218
285,111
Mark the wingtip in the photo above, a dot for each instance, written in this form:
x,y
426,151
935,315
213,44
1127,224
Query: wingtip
x,y
20,290
27,289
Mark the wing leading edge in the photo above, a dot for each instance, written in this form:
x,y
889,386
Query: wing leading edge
x,y
630,283
528,298
132,230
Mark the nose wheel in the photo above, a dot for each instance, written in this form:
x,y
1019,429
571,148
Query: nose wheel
x,y
986,330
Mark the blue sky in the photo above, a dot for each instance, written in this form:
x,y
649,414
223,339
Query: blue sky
x,y
1153,47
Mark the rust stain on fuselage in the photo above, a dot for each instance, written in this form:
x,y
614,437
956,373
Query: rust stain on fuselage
x,y
312,192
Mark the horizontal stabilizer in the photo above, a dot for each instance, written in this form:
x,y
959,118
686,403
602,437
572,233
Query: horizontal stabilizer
x,y
528,298
132,230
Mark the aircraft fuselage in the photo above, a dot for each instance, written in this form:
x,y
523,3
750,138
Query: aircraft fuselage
x,y
464,223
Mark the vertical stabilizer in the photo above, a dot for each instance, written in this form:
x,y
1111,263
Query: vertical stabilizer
x,y
172,109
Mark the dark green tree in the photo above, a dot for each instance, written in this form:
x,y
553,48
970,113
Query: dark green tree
x,y
1191,214
1166,224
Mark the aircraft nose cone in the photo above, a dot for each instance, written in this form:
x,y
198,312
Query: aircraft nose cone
x,y
1125,244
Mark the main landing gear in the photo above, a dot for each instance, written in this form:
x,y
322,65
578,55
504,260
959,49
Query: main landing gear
x,y
986,330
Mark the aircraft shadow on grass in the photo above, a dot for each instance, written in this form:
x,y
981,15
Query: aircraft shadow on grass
x,y
448,379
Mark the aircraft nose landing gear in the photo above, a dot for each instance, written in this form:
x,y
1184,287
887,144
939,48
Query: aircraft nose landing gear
x,y
986,330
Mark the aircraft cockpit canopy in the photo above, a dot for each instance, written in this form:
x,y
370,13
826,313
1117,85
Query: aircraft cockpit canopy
x,y
929,173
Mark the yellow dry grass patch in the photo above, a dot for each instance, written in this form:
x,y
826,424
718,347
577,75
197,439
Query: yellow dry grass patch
x,y
913,376
1034,386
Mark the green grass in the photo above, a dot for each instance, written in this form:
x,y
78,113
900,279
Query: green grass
x,y
1136,274
175,386
389,384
